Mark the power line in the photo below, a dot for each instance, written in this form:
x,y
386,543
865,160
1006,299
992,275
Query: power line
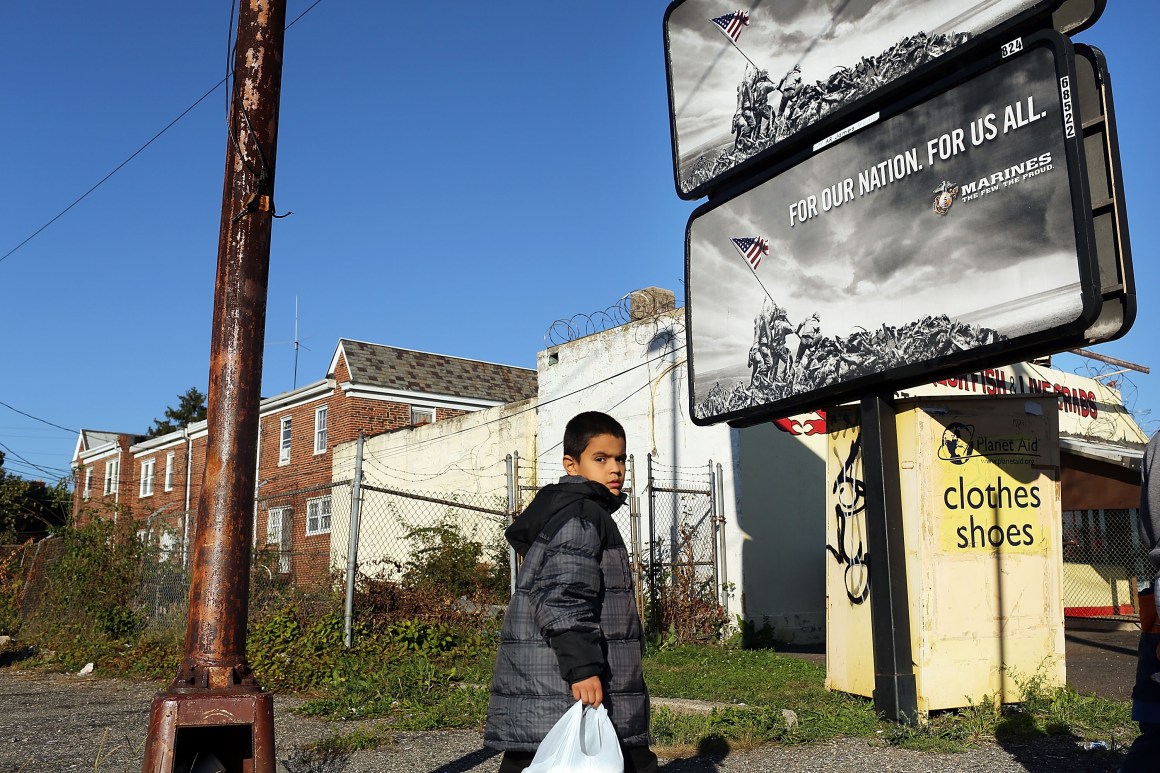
x,y
54,471
135,153
36,418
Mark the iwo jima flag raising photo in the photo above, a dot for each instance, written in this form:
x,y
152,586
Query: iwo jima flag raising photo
x,y
956,229
743,79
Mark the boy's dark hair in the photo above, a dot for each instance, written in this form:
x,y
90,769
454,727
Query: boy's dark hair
x,y
585,426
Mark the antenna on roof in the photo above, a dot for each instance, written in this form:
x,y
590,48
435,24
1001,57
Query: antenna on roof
x,y
297,344
1110,360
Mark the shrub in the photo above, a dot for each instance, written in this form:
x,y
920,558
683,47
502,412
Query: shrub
x,y
90,590
287,651
448,580
444,557
11,587
686,601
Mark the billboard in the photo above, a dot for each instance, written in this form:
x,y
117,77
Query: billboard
x,y
953,231
745,82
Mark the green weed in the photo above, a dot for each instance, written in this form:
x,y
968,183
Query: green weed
x,y
376,736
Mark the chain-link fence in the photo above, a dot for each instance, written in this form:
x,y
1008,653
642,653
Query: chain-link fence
x,y
1104,563
399,529
685,591
318,544
301,548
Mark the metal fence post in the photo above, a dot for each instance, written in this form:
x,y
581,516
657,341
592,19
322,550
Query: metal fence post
x,y
352,545
652,550
634,532
713,525
513,490
721,535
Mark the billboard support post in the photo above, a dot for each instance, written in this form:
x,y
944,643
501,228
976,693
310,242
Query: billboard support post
x,y
895,689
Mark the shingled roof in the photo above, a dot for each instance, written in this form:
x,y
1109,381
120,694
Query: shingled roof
x,y
409,370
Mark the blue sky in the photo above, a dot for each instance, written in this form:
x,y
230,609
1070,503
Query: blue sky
x,y
460,175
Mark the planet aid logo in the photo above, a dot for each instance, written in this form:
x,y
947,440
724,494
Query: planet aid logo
x,y
988,495
957,443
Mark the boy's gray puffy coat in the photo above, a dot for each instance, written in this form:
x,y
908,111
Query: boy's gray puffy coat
x,y
573,615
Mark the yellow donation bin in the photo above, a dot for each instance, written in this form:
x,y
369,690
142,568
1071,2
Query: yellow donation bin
x,y
981,524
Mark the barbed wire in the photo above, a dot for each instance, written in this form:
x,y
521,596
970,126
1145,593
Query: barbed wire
x,y
648,304
1126,387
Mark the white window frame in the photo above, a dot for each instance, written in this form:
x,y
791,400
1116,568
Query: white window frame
x,y
166,544
112,473
320,415
148,469
88,489
421,410
274,521
314,516
285,435
170,459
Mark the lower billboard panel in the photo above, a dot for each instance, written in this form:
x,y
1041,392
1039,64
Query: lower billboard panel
x,y
950,232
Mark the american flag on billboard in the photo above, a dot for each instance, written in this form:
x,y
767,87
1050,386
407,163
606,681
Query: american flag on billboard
x,y
732,24
752,248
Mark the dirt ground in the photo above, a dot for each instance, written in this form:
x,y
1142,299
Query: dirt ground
x,y
55,722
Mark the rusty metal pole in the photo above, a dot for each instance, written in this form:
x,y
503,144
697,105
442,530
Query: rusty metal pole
x,y
215,707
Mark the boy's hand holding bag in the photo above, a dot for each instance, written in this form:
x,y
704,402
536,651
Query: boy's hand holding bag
x,y
582,741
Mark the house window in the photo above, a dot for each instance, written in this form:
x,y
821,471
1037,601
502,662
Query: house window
x,y
276,517
167,544
88,482
147,477
284,443
422,415
169,459
278,533
320,430
317,516
112,471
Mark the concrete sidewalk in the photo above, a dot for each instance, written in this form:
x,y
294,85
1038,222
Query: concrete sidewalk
x,y
1101,657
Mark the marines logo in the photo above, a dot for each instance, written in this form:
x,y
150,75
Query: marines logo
x,y
944,196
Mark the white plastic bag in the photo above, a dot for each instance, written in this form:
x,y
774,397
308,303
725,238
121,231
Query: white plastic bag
x,y
582,741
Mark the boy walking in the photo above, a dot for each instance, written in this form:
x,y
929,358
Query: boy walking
x,y
572,630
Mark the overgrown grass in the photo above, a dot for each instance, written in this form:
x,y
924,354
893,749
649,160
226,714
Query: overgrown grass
x,y
759,684
421,675
376,736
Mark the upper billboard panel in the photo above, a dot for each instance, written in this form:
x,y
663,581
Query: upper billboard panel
x,y
953,232
746,80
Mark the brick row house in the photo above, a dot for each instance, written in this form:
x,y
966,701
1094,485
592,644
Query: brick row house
x,y
369,388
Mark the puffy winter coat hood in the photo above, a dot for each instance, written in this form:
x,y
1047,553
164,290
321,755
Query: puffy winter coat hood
x,y
551,500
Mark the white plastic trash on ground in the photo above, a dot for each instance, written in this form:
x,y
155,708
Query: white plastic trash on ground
x,y
581,741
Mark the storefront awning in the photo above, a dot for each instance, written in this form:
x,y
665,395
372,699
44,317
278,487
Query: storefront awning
x,y
1130,456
